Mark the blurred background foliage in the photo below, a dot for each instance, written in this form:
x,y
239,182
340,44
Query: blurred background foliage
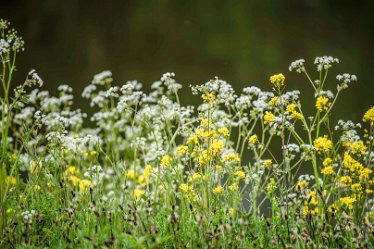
x,y
243,42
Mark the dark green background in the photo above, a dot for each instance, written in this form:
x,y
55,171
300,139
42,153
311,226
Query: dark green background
x,y
243,42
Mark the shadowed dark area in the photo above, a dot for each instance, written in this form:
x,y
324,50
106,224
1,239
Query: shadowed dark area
x,y
243,42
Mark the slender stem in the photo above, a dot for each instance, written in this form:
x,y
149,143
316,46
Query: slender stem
x,y
310,80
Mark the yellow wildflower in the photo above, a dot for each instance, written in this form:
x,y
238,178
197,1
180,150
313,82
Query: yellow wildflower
x,y
205,122
181,150
233,187
327,170
185,188
348,201
322,144
192,139
364,174
305,210
218,167
147,171
218,190
216,147
203,158
85,153
327,162
267,163
346,180
231,157
277,79
314,211
351,164
64,150
268,117
312,199
10,181
195,177
206,134
333,208
356,187
357,147
130,174
231,211
322,103
208,97
209,134
273,101
34,166
165,161
193,154
93,153
297,115
141,180
137,193
272,186
85,184
291,107
224,131
369,115
253,139
71,170
240,174
301,185
74,180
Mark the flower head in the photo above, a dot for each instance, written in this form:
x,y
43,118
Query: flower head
x,y
268,117
218,190
322,144
195,177
253,139
327,170
233,157
10,180
267,163
369,115
333,208
233,187
185,188
137,193
85,184
277,79
165,161
208,97
181,150
240,174
322,103
224,131
348,201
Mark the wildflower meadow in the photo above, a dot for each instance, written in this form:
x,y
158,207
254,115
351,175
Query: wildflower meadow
x,y
248,169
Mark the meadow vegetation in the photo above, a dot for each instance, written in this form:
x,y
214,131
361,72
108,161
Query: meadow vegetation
x,y
145,171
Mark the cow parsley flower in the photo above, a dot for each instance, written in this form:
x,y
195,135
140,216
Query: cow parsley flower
x,y
103,78
346,78
298,65
325,62
33,79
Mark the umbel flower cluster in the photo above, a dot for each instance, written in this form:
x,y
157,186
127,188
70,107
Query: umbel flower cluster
x,y
240,170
